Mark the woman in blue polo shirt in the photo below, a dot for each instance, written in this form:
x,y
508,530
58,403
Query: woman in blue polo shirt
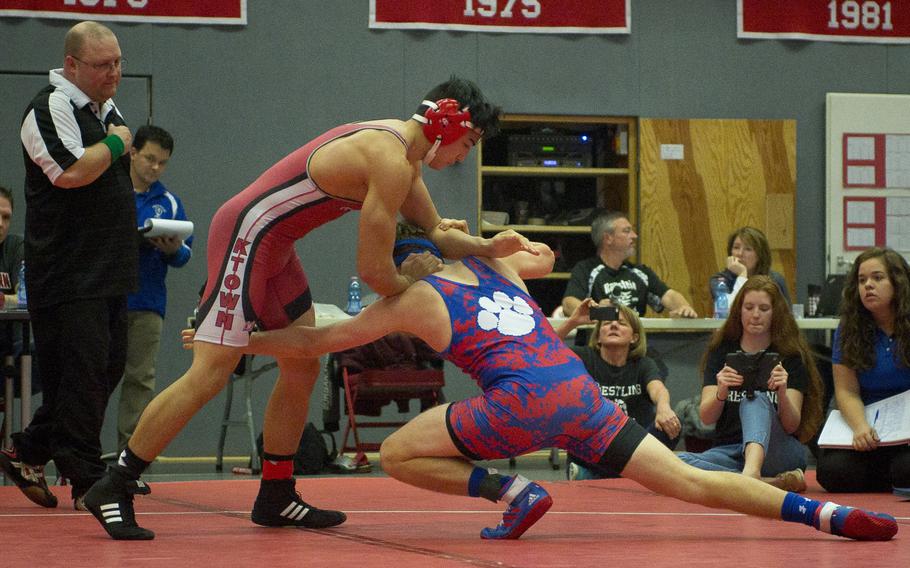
x,y
871,363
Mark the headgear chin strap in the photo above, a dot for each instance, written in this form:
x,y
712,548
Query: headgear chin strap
x,y
444,122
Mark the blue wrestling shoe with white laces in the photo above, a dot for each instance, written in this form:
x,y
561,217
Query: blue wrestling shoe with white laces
x,y
527,505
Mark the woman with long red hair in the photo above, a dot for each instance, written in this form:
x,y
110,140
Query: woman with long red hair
x,y
761,435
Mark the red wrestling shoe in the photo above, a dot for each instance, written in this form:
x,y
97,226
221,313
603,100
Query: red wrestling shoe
x,y
855,523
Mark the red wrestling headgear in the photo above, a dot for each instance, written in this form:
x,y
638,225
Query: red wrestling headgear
x,y
444,122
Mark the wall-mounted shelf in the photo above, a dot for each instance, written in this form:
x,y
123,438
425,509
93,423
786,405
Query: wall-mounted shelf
x,y
558,171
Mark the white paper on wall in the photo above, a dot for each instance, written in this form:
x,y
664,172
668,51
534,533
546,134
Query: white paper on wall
x,y
860,148
863,238
860,175
860,213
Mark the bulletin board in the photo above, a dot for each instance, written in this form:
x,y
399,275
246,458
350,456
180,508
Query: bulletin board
x,y
868,175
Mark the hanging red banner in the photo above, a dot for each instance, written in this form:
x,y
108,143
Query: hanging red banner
x,y
869,21
232,12
516,16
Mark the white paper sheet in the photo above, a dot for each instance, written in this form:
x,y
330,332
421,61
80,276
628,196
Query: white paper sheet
x,y
860,175
890,418
863,238
860,148
166,227
860,213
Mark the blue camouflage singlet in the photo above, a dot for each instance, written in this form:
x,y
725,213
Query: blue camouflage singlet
x,y
536,391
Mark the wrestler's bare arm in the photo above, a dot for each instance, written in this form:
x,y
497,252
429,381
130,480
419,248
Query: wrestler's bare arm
x,y
527,265
419,311
388,186
418,209
522,265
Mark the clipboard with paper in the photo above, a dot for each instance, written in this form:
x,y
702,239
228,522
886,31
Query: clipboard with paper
x,y
890,417
166,228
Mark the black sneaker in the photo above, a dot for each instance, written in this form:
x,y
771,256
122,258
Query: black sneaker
x,y
279,505
29,478
110,500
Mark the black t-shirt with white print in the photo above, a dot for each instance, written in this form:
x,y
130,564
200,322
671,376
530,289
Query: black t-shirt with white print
x,y
633,285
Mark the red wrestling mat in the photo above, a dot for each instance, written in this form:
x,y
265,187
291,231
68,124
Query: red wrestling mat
x,y
608,522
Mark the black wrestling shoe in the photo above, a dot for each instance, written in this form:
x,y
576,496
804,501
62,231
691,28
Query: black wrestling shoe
x,y
279,505
110,500
28,478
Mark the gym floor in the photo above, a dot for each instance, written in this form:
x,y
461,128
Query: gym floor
x,y
202,518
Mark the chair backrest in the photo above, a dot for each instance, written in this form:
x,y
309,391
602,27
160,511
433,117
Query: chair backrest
x,y
829,301
395,368
394,351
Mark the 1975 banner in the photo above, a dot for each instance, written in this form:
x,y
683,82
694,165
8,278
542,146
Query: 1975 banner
x,y
868,21
518,16
231,12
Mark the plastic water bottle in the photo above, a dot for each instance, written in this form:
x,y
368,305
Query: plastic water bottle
x,y
721,299
21,295
354,306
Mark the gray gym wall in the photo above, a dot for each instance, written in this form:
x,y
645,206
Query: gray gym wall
x,y
237,99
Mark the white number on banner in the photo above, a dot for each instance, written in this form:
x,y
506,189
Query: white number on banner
x,y
490,8
851,14
107,3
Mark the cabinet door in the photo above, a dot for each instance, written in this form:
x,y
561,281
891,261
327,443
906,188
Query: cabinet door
x,y
702,179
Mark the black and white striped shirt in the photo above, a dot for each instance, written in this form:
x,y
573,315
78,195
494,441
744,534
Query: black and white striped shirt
x,y
79,242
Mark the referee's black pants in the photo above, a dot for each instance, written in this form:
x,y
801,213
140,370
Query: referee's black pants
x,y
80,347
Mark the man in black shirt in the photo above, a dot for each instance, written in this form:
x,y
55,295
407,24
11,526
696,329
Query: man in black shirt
x,y
609,276
81,257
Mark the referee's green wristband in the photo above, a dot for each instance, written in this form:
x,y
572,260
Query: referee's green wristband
x,y
115,145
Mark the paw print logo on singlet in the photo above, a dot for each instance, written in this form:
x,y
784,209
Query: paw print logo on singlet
x,y
510,316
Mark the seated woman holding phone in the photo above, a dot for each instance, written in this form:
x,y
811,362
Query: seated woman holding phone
x,y
616,357
761,389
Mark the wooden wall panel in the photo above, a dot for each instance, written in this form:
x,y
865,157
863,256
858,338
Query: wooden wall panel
x,y
734,173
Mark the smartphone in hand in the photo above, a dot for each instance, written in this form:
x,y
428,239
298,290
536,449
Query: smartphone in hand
x,y
604,313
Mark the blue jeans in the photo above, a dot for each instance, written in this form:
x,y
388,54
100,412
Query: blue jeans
x,y
761,425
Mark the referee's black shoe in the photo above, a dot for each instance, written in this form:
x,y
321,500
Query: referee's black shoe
x,y
28,478
279,505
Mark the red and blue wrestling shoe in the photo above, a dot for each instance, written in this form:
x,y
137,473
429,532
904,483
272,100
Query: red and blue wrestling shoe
x,y
527,504
855,523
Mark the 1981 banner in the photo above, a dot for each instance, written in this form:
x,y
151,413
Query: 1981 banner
x,y
870,21
521,16
154,11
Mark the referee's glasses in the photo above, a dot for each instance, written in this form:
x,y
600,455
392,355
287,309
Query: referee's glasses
x,y
107,66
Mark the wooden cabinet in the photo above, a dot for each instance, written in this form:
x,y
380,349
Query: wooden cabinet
x,y
547,175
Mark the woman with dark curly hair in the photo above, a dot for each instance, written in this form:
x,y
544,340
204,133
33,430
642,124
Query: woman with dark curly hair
x,y
761,435
871,362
